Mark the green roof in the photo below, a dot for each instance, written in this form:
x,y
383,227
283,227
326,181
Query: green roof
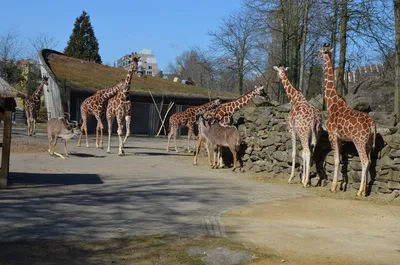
x,y
81,74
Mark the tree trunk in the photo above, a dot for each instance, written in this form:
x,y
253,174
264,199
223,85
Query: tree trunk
x,y
281,93
397,63
295,45
303,49
342,89
334,30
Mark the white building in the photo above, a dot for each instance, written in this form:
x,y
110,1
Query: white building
x,y
147,63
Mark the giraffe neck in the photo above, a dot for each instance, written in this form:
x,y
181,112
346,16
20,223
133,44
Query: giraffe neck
x,y
203,108
38,92
293,94
331,95
242,101
108,93
129,75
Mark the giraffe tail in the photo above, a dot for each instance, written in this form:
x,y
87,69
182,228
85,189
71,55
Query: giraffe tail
x,y
373,129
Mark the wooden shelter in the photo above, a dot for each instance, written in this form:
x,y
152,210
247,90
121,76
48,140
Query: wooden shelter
x,y
8,96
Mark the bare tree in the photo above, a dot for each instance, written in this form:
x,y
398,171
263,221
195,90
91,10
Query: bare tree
x,y
42,41
11,45
234,40
397,64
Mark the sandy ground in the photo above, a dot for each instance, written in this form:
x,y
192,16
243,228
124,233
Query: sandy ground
x,y
305,230
321,229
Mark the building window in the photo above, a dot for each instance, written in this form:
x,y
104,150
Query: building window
x,y
149,73
150,67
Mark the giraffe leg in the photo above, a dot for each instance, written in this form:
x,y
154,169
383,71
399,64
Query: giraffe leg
x,y
220,160
50,143
190,133
306,155
175,134
119,131
101,136
97,136
109,123
128,127
365,162
34,128
335,143
293,156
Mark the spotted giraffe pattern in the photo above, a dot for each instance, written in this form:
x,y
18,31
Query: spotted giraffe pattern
x,y
225,111
346,125
187,118
305,121
95,106
32,106
120,106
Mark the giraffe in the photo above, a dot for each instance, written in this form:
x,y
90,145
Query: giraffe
x,y
187,118
120,106
32,106
95,106
305,121
346,125
224,112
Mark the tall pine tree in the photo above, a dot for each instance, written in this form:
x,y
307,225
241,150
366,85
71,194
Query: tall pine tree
x,y
83,43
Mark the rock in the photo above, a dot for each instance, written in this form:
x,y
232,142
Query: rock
x,y
267,142
260,101
245,157
355,165
280,156
393,185
384,118
354,175
385,162
394,153
385,190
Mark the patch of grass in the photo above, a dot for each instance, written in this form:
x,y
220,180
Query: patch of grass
x,y
150,249
88,75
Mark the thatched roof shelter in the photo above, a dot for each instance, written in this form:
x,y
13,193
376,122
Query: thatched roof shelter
x,y
7,94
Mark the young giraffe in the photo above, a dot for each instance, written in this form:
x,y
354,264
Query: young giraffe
x,y
224,112
187,118
95,106
346,125
120,106
304,120
32,106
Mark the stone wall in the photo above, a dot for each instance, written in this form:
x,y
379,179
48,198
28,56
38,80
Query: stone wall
x,y
267,148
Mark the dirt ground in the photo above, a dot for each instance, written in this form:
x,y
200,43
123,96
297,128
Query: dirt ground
x,y
316,229
321,230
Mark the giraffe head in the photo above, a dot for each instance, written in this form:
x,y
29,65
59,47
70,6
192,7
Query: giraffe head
x,y
281,69
45,80
325,49
135,59
258,89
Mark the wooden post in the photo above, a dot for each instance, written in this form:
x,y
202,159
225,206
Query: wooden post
x,y
5,155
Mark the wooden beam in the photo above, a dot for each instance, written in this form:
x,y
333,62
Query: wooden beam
x,y
5,154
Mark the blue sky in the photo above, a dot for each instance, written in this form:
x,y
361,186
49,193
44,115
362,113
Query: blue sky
x,y
121,27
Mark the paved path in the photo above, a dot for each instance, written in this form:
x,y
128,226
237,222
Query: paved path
x,y
95,195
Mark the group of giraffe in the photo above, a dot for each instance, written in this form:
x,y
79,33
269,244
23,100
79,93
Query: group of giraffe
x,y
305,121
343,124
214,109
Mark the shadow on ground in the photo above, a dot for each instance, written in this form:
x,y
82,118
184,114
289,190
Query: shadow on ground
x,y
21,178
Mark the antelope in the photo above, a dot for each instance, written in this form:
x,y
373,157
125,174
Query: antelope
x,y
220,136
61,127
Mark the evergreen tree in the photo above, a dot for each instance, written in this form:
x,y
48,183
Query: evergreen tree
x,y
83,43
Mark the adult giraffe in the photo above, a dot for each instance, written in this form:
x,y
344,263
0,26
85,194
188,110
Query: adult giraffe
x,y
187,118
305,121
346,125
32,106
120,106
223,114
